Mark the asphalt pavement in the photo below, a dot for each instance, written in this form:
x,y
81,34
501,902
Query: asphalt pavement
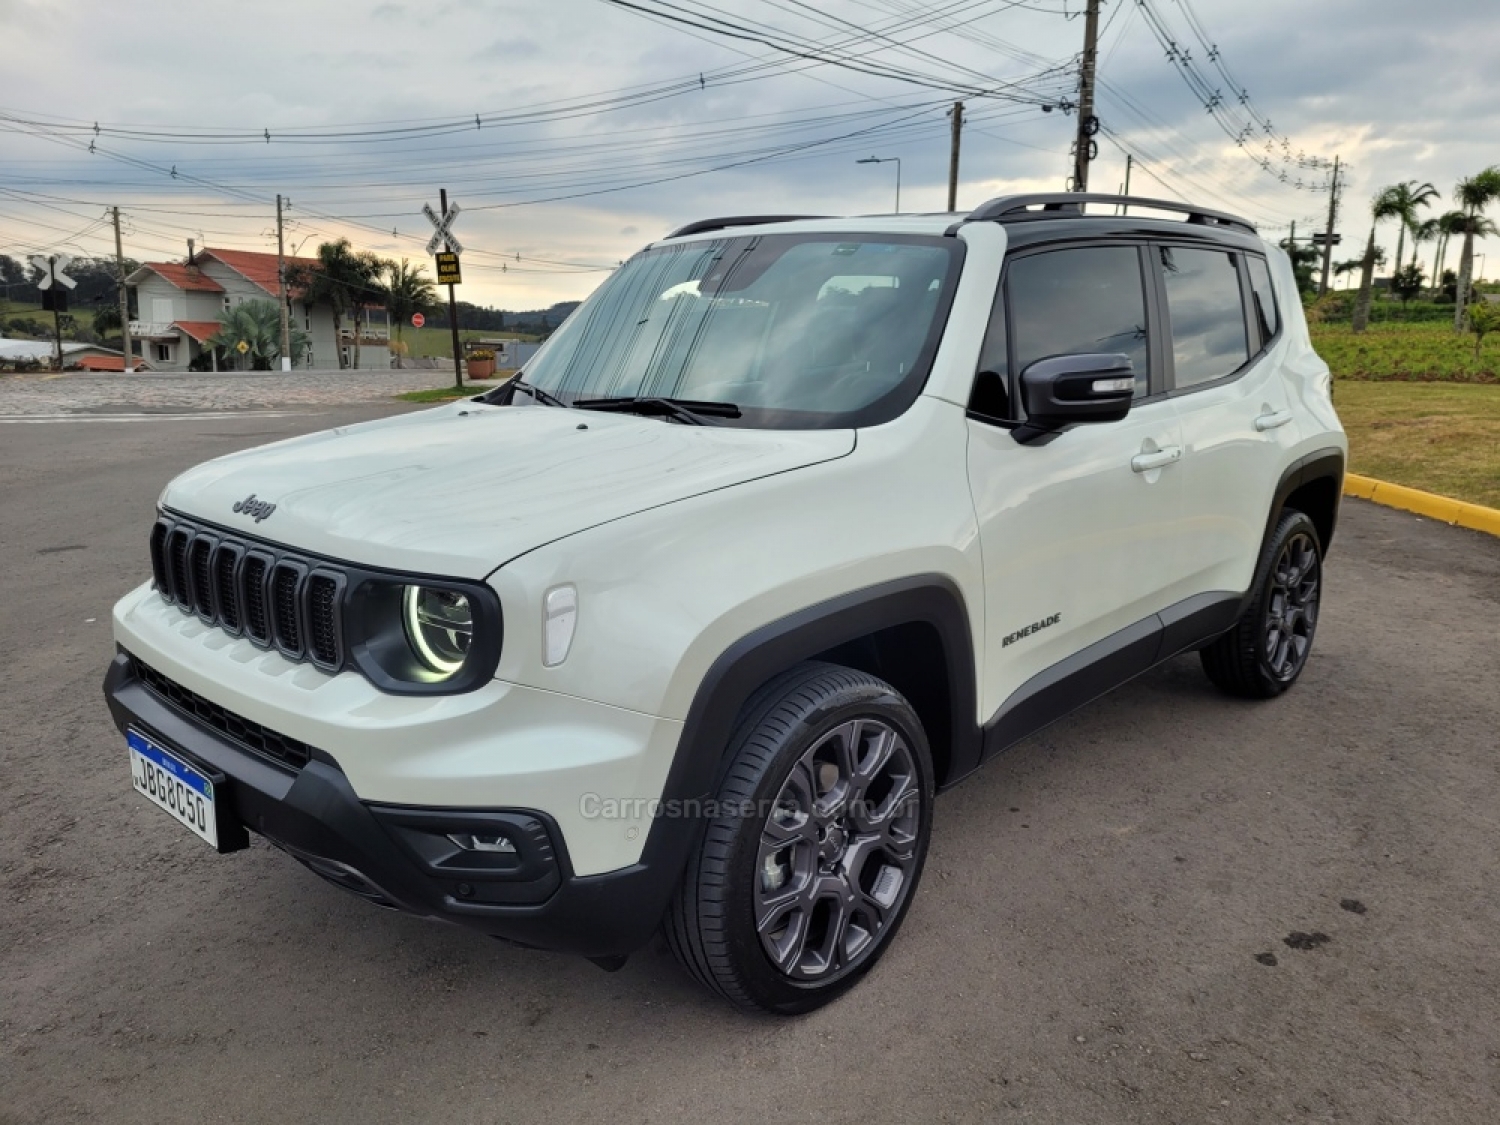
x,y
1091,943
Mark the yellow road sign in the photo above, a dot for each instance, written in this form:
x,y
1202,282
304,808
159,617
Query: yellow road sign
x,y
242,347
447,269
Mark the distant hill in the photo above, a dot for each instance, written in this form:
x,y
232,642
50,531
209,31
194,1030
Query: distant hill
x,y
489,319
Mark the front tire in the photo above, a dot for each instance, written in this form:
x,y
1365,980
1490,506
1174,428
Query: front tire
x,y
820,832
1269,645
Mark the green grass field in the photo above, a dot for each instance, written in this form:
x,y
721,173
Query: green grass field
x,y
1439,437
1413,352
9,309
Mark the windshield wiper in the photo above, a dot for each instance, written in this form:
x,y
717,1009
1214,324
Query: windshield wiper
x,y
546,398
691,411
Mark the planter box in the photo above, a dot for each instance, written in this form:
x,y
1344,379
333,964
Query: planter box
x,y
481,368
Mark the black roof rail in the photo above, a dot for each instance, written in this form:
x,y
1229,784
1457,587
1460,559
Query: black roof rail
x,y
737,221
1051,205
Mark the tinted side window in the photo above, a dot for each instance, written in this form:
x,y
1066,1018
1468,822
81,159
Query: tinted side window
x,y
1206,312
1263,298
1088,299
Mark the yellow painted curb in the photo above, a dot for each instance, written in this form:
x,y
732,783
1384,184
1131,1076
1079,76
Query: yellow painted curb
x,y
1474,516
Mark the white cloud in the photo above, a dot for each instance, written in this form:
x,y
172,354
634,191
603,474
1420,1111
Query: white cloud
x,y
1399,91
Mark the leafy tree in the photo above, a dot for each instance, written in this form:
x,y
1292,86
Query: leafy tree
x,y
1484,318
1305,261
1448,286
107,320
258,324
346,280
1406,282
407,291
1473,195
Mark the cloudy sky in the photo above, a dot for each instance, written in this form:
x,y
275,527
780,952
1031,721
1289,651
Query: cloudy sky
x,y
599,127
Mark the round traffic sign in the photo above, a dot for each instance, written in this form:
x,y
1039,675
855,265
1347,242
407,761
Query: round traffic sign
x,y
417,320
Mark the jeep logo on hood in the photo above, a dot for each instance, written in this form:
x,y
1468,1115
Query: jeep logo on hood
x,y
250,506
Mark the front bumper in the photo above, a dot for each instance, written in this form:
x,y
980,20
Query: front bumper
x,y
397,856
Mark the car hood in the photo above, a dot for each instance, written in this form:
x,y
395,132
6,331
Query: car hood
x,y
462,489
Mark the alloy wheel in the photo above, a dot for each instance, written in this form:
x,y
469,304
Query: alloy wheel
x,y
837,850
1292,609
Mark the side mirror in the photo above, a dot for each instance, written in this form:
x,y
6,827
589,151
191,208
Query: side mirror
x,y
1067,389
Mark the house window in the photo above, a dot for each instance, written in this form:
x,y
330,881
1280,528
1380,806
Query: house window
x,y
163,353
226,302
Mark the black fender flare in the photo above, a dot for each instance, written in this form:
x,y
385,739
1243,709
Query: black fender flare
x,y
701,756
1320,464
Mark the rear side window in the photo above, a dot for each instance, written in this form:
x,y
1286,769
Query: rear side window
x,y
1088,299
1263,298
1206,312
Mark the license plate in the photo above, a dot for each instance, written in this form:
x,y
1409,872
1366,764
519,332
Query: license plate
x,y
168,782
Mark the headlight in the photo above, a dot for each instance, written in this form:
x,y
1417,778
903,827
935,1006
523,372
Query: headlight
x,y
439,625
417,635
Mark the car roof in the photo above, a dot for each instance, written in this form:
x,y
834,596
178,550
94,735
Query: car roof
x,y
1029,220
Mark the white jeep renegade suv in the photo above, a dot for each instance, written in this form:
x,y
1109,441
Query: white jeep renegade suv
x,y
792,524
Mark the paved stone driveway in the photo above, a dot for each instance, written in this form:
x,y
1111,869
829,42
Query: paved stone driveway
x,y
32,395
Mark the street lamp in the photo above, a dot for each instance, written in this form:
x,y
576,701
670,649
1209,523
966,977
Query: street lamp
x,y
1479,269
887,160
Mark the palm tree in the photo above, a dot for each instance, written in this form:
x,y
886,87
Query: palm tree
x,y
1401,202
1448,223
407,291
1425,231
1388,204
346,280
258,325
1473,195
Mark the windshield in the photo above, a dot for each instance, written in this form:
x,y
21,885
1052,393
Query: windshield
x,y
797,331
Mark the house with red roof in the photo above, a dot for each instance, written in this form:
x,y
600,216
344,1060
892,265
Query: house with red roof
x,y
179,305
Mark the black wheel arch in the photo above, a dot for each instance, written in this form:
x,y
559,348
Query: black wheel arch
x,y
911,632
1314,485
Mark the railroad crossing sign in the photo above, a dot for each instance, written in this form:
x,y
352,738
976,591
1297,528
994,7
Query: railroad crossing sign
x,y
51,268
448,272
442,238
417,320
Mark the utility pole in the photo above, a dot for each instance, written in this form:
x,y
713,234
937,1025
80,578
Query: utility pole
x,y
128,364
1085,146
57,302
286,316
458,360
1333,210
1129,163
957,114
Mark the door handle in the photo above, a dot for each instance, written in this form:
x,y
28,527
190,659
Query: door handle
x,y
1145,462
1272,420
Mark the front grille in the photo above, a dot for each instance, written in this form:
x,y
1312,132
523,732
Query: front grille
x,y
323,633
200,553
226,585
286,584
253,585
272,597
246,732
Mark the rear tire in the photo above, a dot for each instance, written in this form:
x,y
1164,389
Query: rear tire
x,y
807,870
1269,645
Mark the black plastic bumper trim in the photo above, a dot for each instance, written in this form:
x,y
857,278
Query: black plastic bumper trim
x,y
316,816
